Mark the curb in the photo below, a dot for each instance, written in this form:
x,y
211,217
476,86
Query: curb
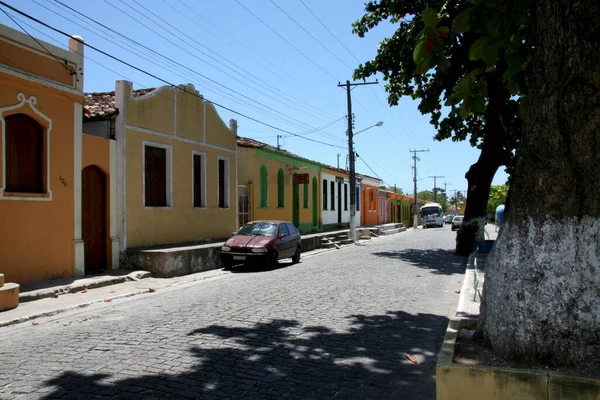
x,y
69,308
75,287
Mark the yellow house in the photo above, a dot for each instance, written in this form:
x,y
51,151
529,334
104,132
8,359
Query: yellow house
x,y
175,165
279,185
41,100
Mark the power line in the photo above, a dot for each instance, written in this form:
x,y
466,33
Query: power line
x,y
158,78
234,99
244,82
202,60
63,64
267,63
285,40
310,34
292,99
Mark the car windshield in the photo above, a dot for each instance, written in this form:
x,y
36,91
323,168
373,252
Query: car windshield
x,y
259,229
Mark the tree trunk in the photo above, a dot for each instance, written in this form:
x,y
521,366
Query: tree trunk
x,y
542,287
495,152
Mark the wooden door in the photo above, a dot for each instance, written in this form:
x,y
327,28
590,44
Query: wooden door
x,y
94,218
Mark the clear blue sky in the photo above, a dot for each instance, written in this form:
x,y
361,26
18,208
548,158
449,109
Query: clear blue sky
x,y
272,71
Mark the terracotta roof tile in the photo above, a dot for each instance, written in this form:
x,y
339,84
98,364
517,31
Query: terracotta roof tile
x,y
101,106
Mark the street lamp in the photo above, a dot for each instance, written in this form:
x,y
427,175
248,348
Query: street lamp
x,y
374,125
353,178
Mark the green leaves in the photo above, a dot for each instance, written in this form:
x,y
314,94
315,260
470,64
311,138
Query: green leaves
x,y
430,18
461,22
422,56
478,48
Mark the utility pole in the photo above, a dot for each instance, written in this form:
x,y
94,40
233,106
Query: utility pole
x,y
446,192
278,147
435,186
348,85
338,156
415,211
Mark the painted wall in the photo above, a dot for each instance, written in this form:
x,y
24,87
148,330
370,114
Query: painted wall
x,y
330,216
250,161
369,193
185,124
39,232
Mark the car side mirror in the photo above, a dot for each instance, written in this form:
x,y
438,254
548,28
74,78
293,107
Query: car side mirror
x,y
282,235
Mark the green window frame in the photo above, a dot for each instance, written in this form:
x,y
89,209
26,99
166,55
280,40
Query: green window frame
x,y
263,183
280,188
305,199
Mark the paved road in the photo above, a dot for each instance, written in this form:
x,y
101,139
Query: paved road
x,y
336,325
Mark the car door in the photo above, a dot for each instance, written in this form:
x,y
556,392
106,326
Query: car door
x,y
283,241
295,237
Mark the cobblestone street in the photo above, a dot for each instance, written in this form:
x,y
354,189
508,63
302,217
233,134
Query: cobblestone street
x,y
336,325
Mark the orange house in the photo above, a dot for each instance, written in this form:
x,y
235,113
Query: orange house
x,y
369,199
40,158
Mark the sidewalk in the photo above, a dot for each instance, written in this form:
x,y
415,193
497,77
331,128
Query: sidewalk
x,y
47,298
469,302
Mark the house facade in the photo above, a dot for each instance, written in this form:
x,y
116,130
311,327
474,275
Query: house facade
x,y
335,198
41,158
175,161
279,185
369,198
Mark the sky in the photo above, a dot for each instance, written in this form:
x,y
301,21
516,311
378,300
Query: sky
x,y
274,65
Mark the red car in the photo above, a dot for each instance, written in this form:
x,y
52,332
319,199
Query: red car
x,y
263,242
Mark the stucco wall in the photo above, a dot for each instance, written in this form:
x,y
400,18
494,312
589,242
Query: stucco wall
x,y
177,119
36,240
250,162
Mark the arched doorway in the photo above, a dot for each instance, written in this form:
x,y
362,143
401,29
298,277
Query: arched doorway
x,y
94,218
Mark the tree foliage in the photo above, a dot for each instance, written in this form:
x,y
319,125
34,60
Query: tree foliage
x,y
498,194
464,54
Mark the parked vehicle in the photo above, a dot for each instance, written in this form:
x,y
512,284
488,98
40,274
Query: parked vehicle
x,y
448,218
262,242
457,222
432,215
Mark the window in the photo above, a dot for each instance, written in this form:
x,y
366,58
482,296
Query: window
x,y
292,229
24,154
280,189
324,194
357,194
199,178
263,183
283,229
305,198
332,194
157,179
223,172
345,197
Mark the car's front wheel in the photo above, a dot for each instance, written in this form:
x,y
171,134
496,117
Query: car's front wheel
x,y
296,256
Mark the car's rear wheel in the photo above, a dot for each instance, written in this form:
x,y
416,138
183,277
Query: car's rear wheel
x,y
296,256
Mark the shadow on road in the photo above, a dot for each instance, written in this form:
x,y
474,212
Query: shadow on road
x,y
281,359
252,268
441,261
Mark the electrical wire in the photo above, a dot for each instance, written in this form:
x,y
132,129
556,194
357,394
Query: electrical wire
x,y
267,63
285,40
161,79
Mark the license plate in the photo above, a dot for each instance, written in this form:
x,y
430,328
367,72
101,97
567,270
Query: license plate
x,y
239,257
